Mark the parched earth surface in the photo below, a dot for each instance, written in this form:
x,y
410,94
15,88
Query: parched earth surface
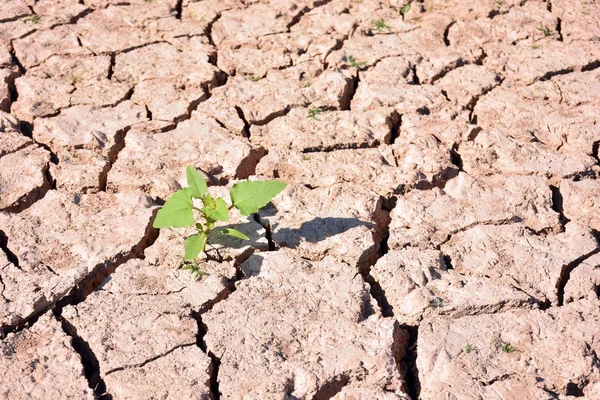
x,y
439,237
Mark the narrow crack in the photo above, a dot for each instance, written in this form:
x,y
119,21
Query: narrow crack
x,y
409,362
12,258
566,271
113,154
241,115
447,32
149,360
91,366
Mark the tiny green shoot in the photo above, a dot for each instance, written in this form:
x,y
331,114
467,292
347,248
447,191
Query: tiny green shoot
x,y
468,348
74,78
308,84
180,211
34,18
347,58
546,31
254,78
314,112
379,25
405,9
306,157
507,347
500,2
436,302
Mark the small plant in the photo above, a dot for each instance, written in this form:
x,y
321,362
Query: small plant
x,y
500,2
405,9
308,84
379,25
254,78
536,47
436,303
469,348
74,79
314,112
347,58
507,347
148,1
193,268
179,211
547,32
306,157
34,18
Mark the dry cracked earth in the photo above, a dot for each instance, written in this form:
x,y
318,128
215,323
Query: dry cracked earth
x,y
439,237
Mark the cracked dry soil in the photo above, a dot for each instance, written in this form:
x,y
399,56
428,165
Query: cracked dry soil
x,y
439,238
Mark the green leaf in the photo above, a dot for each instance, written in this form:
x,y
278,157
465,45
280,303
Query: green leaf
x,y
219,212
250,196
196,182
176,212
194,245
235,233
405,9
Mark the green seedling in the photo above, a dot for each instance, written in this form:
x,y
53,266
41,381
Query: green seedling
x,y
254,78
193,268
547,32
347,58
306,158
34,18
180,211
405,9
507,347
469,348
148,1
500,2
379,25
74,78
436,302
314,112
536,47
308,84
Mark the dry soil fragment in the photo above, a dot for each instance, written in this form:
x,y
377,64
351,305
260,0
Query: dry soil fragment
x,y
23,177
40,363
86,140
417,284
182,374
390,84
343,220
63,238
298,327
264,99
11,139
118,28
578,20
584,280
258,19
504,27
155,161
138,314
370,168
34,49
563,111
492,152
526,63
514,254
431,216
464,85
40,97
517,354
13,9
581,201
333,130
